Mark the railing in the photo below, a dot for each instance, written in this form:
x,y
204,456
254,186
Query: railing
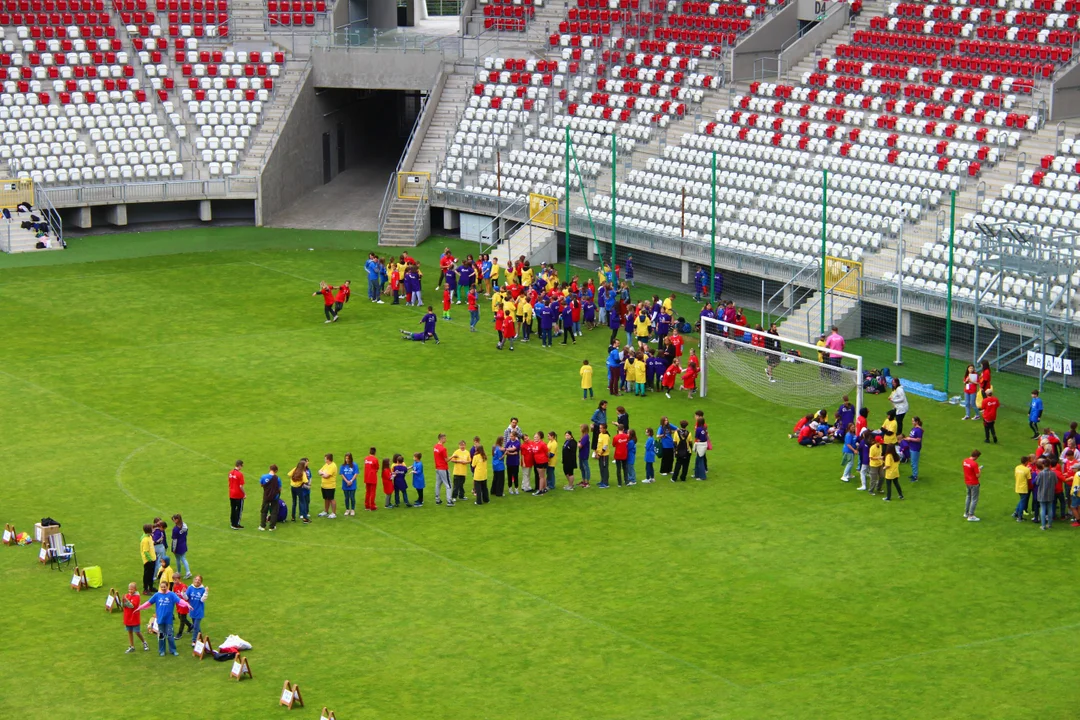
x,y
778,306
168,190
511,213
44,205
388,198
389,41
830,292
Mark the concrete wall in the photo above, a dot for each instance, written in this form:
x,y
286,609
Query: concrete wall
x,y
765,42
1065,96
382,14
296,165
363,69
835,19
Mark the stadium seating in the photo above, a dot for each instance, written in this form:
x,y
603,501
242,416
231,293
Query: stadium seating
x,y
97,92
295,13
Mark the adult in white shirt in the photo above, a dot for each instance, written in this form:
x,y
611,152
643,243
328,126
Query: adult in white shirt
x,y
898,398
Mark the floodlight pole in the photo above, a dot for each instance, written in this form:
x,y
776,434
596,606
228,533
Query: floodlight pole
x,y
949,290
712,252
614,169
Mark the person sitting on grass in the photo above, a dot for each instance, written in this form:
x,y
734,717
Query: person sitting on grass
x,y
808,435
417,336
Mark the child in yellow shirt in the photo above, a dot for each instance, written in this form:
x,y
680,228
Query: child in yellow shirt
x,y
586,379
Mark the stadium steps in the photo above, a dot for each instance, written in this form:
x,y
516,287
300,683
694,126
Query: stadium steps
x,y
22,240
444,123
398,226
803,322
274,117
521,242
840,37
247,21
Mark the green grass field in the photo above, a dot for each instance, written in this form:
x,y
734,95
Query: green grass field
x,y
136,368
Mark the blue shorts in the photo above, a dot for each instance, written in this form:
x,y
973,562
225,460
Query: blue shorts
x,y
1075,502
131,628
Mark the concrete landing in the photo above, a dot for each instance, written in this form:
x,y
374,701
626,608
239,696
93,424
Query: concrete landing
x,y
348,202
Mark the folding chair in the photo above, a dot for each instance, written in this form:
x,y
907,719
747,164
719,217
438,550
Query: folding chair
x,y
60,551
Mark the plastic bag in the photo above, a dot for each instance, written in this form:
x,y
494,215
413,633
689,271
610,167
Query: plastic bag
x,y
235,641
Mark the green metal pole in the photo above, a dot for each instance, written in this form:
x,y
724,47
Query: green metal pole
x,y
613,167
712,255
566,204
948,292
824,217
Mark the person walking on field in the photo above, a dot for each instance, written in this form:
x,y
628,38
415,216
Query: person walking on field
x,y
1035,411
989,414
972,471
268,511
236,498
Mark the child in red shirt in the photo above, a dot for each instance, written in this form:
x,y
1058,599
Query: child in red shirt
x,y
446,302
133,617
179,588
509,331
474,310
388,478
689,380
668,380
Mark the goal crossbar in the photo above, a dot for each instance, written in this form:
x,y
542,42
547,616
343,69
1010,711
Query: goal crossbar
x,y
807,351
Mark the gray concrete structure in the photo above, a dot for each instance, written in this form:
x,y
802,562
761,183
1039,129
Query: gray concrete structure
x,y
766,41
362,68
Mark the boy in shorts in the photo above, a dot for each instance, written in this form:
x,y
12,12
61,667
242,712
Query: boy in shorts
x,y
132,617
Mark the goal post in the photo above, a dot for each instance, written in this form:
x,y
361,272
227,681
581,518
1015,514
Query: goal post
x,y
776,368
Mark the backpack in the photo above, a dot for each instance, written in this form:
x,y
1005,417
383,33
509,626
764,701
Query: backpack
x,y
49,522
282,511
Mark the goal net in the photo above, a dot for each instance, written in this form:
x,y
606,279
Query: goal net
x,y
777,369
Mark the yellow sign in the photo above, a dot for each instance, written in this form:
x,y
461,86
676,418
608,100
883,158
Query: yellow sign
x,y
13,192
544,210
843,276
412,185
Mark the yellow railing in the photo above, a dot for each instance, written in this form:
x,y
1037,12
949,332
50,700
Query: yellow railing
x,y
544,210
843,276
412,185
13,192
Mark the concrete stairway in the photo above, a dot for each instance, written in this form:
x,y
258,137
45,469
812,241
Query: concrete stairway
x,y
275,113
247,21
397,230
22,240
444,123
529,240
804,322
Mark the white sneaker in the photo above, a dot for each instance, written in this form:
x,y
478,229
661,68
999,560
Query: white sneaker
x,y
331,516
380,302
322,514
972,518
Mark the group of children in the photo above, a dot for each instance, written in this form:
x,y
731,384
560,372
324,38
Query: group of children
x,y
172,592
876,454
1048,481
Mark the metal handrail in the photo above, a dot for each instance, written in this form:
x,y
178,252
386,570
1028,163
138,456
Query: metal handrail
x,y
44,203
830,290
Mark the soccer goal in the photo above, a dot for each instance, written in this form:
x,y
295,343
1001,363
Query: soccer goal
x,y
774,368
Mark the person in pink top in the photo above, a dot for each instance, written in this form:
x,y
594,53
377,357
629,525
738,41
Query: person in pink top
x,y
835,343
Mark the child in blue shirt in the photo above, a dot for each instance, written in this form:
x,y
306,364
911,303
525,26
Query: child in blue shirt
x,y
865,440
401,488
650,455
1035,411
631,458
847,457
349,471
417,471
196,595
164,601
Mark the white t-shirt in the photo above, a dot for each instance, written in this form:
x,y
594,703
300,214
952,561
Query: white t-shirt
x,y
899,400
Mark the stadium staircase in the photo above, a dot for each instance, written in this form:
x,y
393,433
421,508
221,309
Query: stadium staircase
x,y
803,322
436,141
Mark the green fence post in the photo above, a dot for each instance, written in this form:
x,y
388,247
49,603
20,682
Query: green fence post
x,y
566,202
824,216
613,173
